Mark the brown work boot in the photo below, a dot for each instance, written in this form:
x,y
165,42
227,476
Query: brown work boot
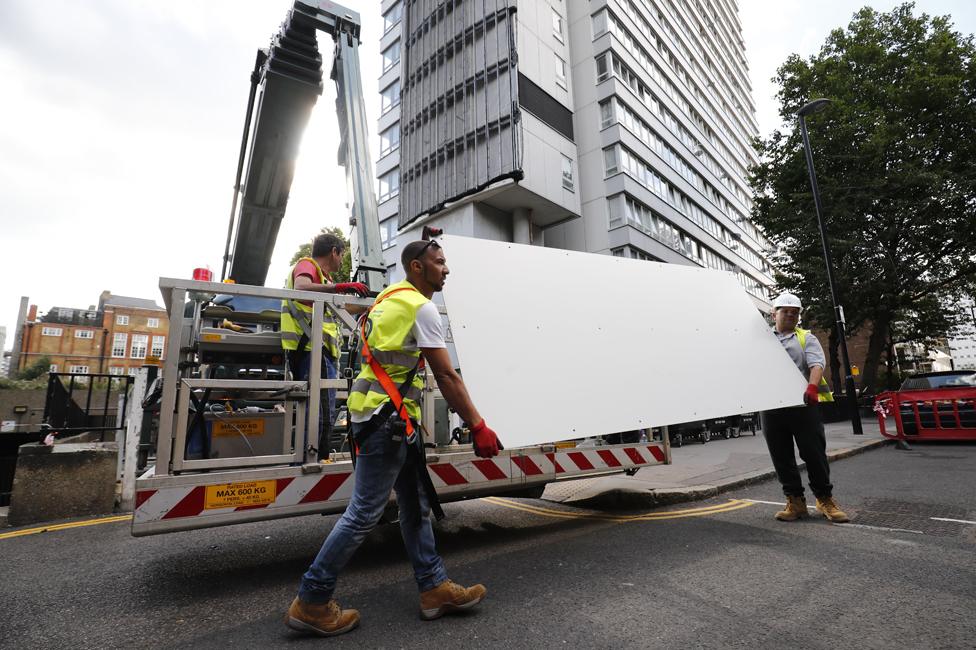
x,y
828,508
327,619
449,597
796,508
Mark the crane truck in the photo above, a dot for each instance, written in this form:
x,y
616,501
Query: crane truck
x,y
237,439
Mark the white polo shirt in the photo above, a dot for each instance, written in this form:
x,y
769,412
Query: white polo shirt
x,y
804,359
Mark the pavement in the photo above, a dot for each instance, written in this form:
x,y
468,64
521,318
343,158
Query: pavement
x,y
698,471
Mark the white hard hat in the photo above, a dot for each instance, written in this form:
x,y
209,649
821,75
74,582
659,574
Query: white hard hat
x,y
787,299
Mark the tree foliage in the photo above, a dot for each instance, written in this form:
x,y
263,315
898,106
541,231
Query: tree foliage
x,y
894,156
36,369
345,271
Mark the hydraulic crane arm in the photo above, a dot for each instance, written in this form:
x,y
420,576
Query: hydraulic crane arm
x,y
286,83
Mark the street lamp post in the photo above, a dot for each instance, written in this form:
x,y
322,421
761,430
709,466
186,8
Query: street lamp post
x,y
813,107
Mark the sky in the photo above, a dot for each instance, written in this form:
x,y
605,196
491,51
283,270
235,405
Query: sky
x,y
121,122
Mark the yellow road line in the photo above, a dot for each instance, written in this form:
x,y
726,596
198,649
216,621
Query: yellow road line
x,y
652,515
732,504
73,524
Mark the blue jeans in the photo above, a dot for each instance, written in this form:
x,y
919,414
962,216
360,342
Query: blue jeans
x,y
380,468
326,409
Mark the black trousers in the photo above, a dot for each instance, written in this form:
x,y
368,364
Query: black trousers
x,y
802,424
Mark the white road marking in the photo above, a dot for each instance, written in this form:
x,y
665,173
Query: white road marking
x,y
955,521
890,530
900,542
897,530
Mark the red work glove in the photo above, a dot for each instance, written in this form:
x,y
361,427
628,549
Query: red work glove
x,y
486,442
811,395
358,288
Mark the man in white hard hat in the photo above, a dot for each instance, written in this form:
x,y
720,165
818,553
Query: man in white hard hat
x,y
802,424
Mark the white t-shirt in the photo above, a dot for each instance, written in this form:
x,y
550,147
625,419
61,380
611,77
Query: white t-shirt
x,y
427,331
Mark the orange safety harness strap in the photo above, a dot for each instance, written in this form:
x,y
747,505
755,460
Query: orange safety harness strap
x,y
381,375
414,442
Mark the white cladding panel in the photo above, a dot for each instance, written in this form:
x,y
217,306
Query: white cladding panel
x,y
556,344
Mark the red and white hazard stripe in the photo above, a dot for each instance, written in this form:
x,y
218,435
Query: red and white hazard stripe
x,y
185,506
559,464
189,501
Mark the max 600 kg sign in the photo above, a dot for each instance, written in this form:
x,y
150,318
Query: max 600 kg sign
x,y
233,495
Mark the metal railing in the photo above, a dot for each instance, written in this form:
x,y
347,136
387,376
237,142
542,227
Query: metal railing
x,y
82,403
933,414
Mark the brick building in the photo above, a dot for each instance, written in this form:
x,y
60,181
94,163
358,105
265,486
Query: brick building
x,y
115,337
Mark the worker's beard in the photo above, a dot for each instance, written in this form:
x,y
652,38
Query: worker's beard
x,y
434,284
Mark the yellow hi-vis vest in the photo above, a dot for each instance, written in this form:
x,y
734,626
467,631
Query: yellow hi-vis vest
x,y
296,319
388,325
823,388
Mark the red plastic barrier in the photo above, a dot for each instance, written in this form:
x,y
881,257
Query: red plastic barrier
x,y
938,414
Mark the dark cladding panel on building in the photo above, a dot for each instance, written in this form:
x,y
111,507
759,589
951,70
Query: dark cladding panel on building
x,y
459,102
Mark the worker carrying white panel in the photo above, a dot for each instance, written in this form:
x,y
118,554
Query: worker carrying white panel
x,y
557,344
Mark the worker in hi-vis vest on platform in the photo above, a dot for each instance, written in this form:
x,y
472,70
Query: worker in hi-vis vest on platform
x,y
803,424
314,273
401,333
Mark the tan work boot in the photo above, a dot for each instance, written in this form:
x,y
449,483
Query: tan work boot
x,y
828,508
449,597
796,508
327,619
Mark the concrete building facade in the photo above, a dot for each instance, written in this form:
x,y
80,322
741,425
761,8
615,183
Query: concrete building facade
x,y
116,337
963,352
618,127
962,346
4,357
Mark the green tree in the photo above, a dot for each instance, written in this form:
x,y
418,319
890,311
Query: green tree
x,y
894,155
36,369
345,271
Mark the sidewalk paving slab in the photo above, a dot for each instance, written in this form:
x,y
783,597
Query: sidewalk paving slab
x,y
699,471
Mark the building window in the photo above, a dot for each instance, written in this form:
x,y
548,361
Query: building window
x,y
390,96
599,24
391,17
122,319
637,254
568,182
78,370
388,232
389,185
152,323
391,56
610,161
560,72
158,343
50,331
84,334
603,67
65,313
118,345
139,343
557,26
390,140
616,211
606,114
52,368
132,372
116,370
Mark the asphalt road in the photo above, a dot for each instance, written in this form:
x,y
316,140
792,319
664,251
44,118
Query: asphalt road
x,y
717,573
